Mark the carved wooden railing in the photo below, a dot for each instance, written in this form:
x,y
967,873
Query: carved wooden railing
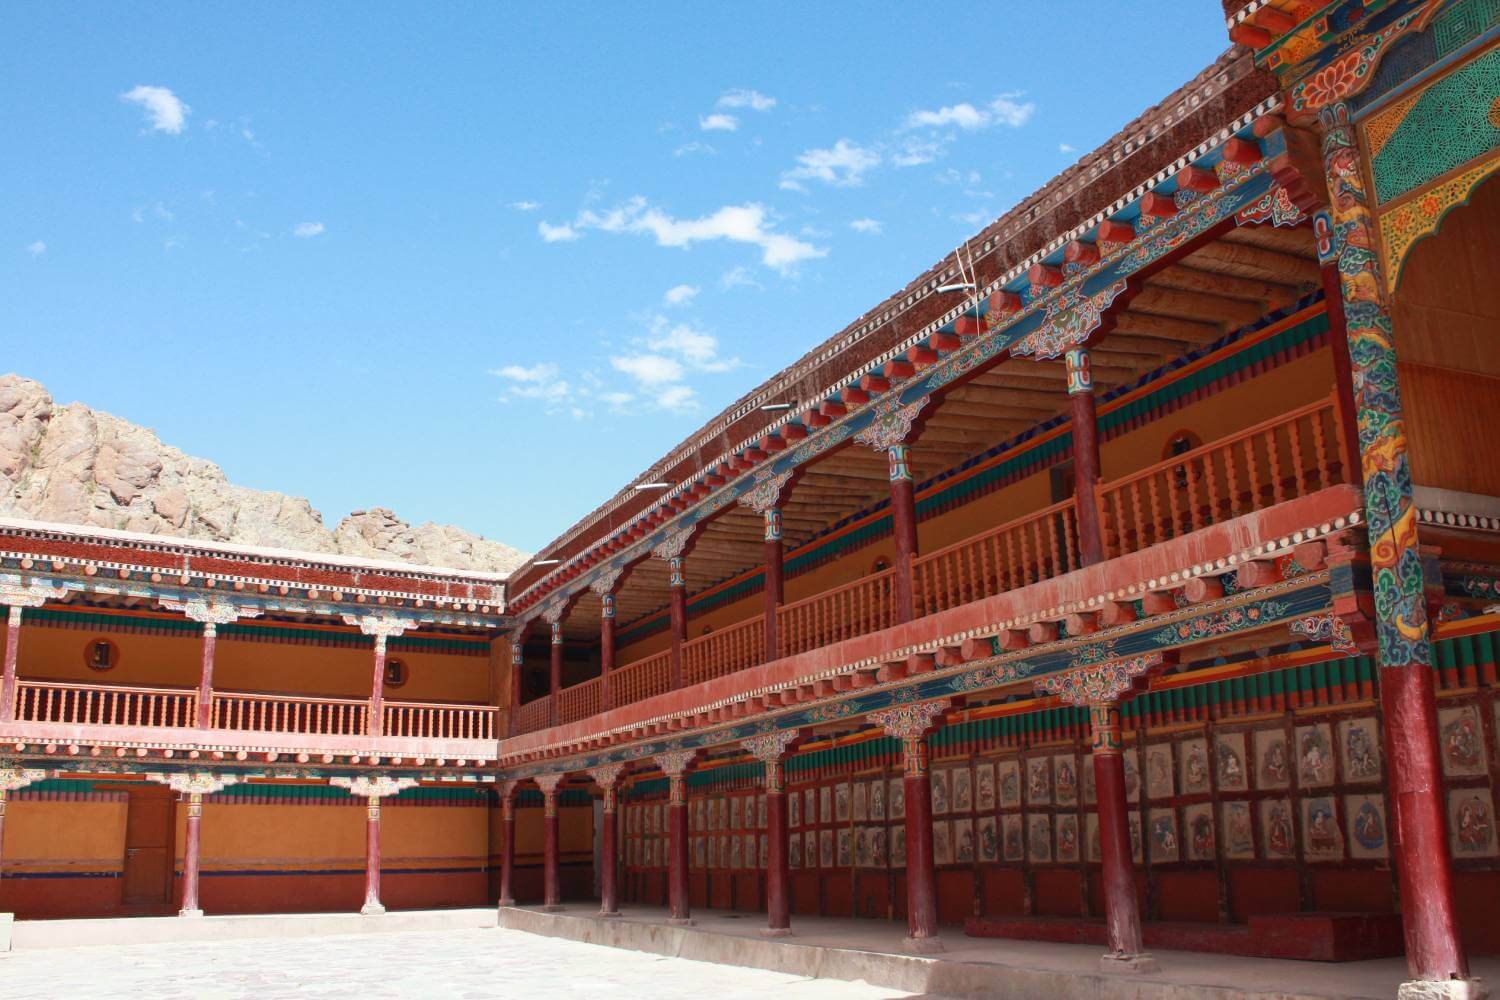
x,y
1280,459
858,608
642,679
439,722
741,645
534,715
103,705
1036,547
286,713
580,701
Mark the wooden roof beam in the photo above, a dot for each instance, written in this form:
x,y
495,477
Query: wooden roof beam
x,y
1234,258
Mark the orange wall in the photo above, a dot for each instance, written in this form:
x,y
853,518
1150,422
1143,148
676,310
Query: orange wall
x,y
61,836
1291,385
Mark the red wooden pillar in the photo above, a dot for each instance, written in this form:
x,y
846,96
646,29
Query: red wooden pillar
x,y
774,590
206,677
771,750
376,726
904,525
606,648
555,684
1085,456
372,904
551,846
12,654
1122,914
507,843
607,777
677,582
674,765
517,665
1435,954
910,724
190,855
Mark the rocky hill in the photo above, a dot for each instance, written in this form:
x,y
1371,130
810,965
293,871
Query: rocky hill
x,y
79,466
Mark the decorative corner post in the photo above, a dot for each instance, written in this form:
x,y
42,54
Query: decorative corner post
x,y
1435,954
373,788
607,776
1085,455
674,765
517,663
672,551
13,777
192,786
765,498
910,724
553,616
771,750
507,793
382,627
605,586
1099,687
551,885
891,433
210,614
18,594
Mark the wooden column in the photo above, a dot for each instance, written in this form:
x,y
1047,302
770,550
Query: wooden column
x,y
677,583
206,677
192,786
13,778
771,750
1435,954
507,843
904,524
674,765
16,597
607,777
372,904
517,665
555,684
774,590
606,648
551,846
910,724
1085,456
1122,913
382,627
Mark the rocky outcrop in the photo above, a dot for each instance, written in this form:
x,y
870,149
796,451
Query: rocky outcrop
x,y
76,465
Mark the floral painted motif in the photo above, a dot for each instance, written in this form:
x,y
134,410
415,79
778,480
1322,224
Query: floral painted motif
x,y
1221,622
892,423
1103,682
1069,322
1327,628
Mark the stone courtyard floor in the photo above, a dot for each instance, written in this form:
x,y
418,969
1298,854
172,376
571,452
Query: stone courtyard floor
x,y
431,965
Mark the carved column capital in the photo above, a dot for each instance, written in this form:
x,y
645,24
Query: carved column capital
x,y
1098,682
548,784
607,777
892,424
22,592
14,777
195,782
604,584
911,721
674,765
770,749
381,626
373,786
210,611
765,495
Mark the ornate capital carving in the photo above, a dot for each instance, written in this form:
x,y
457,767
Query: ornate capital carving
x,y
1098,682
209,610
674,763
766,493
13,776
553,613
673,546
548,782
892,424
770,747
373,786
195,782
907,722
381,626
20,592
604,584
606,775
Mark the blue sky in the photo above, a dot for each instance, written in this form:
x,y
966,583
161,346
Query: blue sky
x,y
483,263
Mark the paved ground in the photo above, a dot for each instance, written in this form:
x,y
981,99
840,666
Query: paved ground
x,y
461,965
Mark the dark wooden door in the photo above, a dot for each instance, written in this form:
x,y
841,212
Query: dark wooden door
x,y
148,846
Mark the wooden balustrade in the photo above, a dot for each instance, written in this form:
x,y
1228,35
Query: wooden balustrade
x,y
534,715
103,705
642,679
866,605
580,701
1280,459
439,722
741,645
1029,549
281,713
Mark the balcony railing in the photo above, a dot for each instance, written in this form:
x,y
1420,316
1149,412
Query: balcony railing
x,y
439,722
580,701
859,608
534,715
100,705
275,713
1278,460
741,645
642,679
1027,550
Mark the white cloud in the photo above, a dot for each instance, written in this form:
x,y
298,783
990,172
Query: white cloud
x,y
688,148
842,165
914,151
718,123
540,381
680,294
736,223
677,398
556,234
525,206
695,347
1063,147
1003,110
737,277
36,249
871,226
164,109
307,230
649,369
740,98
